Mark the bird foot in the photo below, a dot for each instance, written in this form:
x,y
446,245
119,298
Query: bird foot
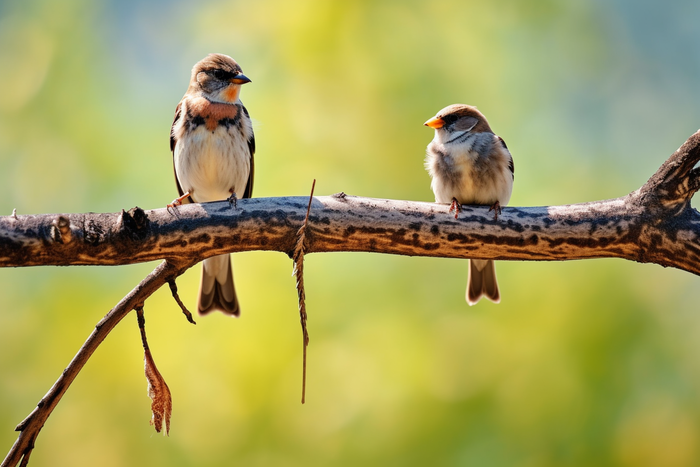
x,y
233,200
496,208
178,201
456,207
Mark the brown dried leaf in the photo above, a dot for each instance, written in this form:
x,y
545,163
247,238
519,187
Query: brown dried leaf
x,y
158,391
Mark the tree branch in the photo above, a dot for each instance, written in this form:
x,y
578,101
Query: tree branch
x,y
653,224
30,427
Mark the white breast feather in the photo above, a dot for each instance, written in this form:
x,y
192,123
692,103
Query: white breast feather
x,y
454,174
209,165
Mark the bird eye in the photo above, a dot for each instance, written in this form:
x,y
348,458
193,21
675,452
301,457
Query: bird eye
x,y
451,118
219,74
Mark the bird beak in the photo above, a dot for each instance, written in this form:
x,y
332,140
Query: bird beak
x,y
240,79
435,122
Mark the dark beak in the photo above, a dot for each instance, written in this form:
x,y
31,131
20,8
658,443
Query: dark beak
x,y
240,79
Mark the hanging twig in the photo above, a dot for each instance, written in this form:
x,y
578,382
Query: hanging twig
x,y
298,258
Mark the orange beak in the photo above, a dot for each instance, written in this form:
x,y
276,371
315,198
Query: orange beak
x,y
435,122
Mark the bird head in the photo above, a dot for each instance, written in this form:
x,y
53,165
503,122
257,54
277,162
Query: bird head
x,y
218,78
458,119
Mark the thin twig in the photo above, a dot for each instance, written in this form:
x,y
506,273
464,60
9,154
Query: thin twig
x,y
185,311
298,257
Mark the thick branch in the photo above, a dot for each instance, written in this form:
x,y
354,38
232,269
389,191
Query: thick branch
x,y
631,227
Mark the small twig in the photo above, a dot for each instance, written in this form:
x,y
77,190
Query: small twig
x,y
25,459
185,311
299,273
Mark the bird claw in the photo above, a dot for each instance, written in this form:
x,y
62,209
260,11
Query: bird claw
x,y
456,207
496,208
233,200
177,201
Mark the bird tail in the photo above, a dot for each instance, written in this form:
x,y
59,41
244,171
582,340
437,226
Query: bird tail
x,y
216,289
482,281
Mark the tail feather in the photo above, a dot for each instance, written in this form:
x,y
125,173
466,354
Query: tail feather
x,y
482,281
216,289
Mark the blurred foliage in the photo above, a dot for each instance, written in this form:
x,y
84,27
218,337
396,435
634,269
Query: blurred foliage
x,y
583,363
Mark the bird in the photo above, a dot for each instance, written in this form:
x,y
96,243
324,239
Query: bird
x,y
469,164
212,143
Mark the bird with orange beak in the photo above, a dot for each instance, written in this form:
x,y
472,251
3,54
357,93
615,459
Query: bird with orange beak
x,y
469,164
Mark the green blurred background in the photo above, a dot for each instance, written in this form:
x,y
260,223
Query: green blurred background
x,y
583,363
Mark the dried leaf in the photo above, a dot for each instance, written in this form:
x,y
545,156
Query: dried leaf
x,y
161,401
158,391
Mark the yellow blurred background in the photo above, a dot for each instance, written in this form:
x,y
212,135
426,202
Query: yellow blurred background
x,y
583,363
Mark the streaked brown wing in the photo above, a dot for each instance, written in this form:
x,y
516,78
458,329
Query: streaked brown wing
x,y
248,193
173,142
173,138
511,165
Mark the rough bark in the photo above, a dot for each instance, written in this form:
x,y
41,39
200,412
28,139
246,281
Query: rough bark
x,y
653,224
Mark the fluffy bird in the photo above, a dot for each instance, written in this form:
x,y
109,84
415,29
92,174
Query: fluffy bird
x,y
469,164
213,145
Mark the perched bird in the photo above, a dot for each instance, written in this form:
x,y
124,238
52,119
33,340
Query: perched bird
x,y
213,145
469,164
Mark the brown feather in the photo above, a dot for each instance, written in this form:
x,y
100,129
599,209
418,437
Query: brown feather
x,y
482,281
214,295
248,192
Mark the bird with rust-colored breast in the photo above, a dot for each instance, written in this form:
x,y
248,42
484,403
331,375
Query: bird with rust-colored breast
x,y
213,146
469,164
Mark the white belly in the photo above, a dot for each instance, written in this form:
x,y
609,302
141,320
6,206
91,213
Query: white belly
x,y
459,172
212,165
472,189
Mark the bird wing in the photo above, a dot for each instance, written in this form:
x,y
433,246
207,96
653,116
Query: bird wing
x,y
511,165
248,192
173,144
